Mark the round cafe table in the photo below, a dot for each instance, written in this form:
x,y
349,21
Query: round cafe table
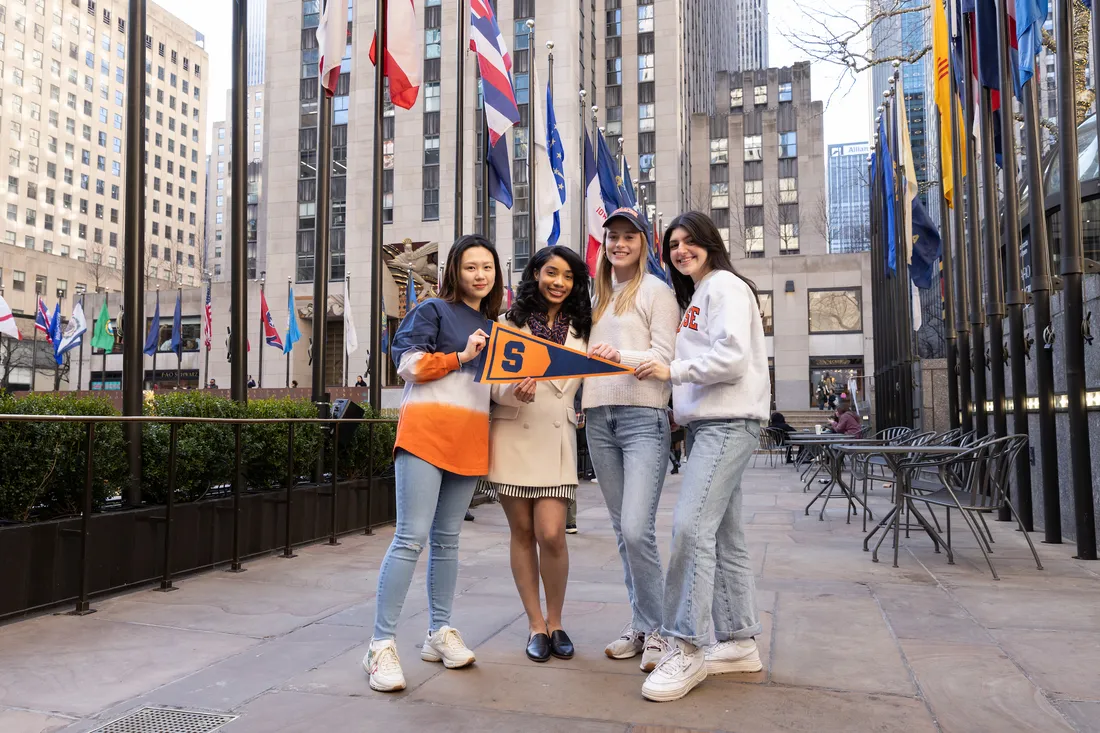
x,y
832,462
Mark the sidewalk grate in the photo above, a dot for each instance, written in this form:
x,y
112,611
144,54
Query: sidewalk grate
x,y
166,720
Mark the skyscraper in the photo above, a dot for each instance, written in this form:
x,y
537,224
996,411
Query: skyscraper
x,y
257,32
750,35
849,197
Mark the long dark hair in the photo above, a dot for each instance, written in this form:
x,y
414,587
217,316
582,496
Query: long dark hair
x,y
449,289
577,306
703,233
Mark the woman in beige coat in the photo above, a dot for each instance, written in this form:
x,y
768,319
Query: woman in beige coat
x,y
533,445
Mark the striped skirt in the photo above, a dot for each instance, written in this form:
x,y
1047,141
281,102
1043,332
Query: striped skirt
x,y
496,490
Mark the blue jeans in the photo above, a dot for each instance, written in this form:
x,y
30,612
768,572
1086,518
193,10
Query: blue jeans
x,y
710,585
431,505
629,451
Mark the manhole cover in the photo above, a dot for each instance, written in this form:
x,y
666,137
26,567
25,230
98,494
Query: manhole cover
x,y
166,720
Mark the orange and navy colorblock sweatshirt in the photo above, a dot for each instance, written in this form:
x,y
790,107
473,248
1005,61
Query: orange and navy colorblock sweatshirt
x,y
444,411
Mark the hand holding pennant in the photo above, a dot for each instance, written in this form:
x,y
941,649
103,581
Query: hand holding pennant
x,y
513,355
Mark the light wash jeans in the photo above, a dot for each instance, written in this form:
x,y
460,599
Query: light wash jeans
x,y
710,585
629,451
431,505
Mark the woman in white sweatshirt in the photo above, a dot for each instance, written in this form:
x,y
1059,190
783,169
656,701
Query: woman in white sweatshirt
x,y
720,394
633,321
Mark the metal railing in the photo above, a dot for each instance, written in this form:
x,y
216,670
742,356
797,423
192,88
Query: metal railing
x,y
334,425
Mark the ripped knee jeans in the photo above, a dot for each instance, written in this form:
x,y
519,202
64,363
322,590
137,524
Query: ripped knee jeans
x,y
431,505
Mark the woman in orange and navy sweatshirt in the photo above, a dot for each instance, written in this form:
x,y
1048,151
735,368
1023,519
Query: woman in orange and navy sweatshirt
x,y
442,448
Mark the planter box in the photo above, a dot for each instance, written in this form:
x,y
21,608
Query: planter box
x,y
41,561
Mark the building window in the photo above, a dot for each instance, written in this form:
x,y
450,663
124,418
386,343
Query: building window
x,y
788,145
836,311
645,18
788,238
765,302
645,66
719,151
754,193
785,92
754,147
18,280
719,195
760,95
754,241
788,190
646,120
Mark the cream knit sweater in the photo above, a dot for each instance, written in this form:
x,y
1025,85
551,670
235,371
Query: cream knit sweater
x,y
647,331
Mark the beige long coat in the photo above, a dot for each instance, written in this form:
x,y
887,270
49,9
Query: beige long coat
x,y
535,444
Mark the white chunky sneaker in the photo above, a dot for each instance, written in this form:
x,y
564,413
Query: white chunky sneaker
x,y
740,655
629,644
446,646
678,673
384,666
655,648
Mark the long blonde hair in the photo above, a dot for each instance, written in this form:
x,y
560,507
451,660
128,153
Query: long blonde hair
x,y
605,291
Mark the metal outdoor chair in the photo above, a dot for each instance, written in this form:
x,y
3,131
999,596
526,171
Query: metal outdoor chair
x,y
771,446
975,483
864,467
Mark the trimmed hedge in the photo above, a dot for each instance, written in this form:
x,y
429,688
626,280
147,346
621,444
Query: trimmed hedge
x,y
42,471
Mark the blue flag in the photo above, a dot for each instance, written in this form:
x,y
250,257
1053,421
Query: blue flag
x,y
626,184
886,170
608,172
293,335
55,332
411,302
557,161
1030,17
500,173
154,331
385,330
177,327
927,247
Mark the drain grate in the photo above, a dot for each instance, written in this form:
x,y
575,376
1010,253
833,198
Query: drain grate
x,y
166,720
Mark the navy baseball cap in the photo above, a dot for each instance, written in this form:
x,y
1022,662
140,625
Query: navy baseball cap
x,y
628,214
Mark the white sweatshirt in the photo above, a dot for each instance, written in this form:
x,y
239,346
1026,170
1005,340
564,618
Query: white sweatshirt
x,y
721,367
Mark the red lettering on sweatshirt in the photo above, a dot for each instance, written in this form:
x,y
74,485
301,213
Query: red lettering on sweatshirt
x,y
689,319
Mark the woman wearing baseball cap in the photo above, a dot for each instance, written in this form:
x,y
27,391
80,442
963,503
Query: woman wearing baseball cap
x,y
720,393
633,321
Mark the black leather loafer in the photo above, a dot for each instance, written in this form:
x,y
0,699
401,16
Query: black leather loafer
x,y
561,646
538,648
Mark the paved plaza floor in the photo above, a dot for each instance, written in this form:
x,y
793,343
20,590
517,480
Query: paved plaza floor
x,y
848,645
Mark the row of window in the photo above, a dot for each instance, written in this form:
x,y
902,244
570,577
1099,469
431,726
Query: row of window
x,y
759,95
829,311
754,147
61,285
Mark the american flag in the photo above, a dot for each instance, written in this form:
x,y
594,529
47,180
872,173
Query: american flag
x,y
495,65
208,319
42,320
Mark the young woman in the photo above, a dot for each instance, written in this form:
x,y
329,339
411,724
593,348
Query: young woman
x,y
442,448
533,445
721,393
634,321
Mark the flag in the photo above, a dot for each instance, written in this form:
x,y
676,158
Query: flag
x,y
154,331
271,334
985,58
547,200
177,327
385,336
653,262
102,338
42,320
351,339
495,66
557,161
332,41
55,328
514,355
293,335
207,319
885,161
1030,17
608,172
403,52
941,52
596,213
72,337
410,300
922,240
500,173
7,321
626,187
509,297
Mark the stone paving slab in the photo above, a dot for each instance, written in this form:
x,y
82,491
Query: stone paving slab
x,y
848,645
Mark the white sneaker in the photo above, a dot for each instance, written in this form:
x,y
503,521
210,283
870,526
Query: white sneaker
x,y
655,648
384,666
733,656
678,673
628,645
446,646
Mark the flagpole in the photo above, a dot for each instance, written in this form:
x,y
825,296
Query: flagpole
x,y
321,256
582,241
290,302
263,332
156,341
1073,267
948,280
962,299
902,288
376,250
206,368
179,348
347,289
80,355
877,280
532,231
1041,286
238,214
460,127
484,152
1015,297
103,373
977,319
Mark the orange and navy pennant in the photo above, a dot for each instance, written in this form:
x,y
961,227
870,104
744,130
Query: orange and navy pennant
x,y
513,355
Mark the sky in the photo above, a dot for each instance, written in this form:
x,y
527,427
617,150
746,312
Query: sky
x,y
847,118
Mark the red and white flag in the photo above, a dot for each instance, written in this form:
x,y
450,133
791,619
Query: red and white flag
x,y
7,321
208,320
403,52
332,39
595,211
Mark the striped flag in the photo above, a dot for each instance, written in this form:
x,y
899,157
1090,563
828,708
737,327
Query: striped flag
x,y
548,197
495,66
332,40
42,320
207,319
271,334
596,212
403,52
